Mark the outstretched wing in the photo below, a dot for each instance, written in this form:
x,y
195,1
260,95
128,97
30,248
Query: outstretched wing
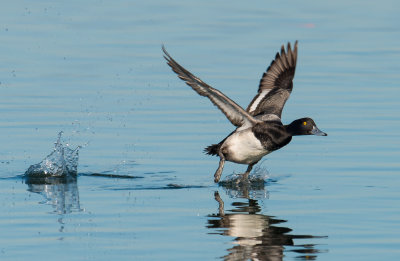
x,y
275,85
236,114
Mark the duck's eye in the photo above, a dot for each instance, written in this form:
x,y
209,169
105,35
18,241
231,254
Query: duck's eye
x,y
304,123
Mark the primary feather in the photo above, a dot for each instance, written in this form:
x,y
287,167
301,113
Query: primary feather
x,y
275,85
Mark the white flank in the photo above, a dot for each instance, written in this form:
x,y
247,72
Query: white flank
x,y
243,147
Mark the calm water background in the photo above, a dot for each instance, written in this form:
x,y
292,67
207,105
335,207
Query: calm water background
x,y
94,69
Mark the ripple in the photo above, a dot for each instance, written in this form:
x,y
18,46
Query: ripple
x,y
114,176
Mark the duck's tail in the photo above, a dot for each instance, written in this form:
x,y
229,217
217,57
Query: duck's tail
x,y
212,149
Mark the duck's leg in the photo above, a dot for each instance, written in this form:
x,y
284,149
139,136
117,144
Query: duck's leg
x,y
249,168
218,173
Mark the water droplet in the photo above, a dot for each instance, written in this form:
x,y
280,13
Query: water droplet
x,y
62,161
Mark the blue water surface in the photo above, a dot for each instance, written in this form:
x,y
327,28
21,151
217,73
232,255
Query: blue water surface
x,y
94,70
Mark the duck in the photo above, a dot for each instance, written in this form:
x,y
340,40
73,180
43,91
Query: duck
x,y
259,129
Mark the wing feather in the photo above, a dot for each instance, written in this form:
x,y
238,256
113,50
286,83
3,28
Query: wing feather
x,y
236,114
276,84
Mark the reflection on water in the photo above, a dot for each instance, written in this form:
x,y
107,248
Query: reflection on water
x,y
59,192
257,236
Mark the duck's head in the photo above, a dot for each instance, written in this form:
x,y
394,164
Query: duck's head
x,y
304,126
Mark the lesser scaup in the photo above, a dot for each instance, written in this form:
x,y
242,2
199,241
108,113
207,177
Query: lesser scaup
x,y
259,128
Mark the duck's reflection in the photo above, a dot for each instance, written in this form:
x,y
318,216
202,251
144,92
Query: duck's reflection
x,y
257,236
59,192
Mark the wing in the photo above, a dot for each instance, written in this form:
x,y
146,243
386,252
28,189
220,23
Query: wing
x,y
275,85
235,114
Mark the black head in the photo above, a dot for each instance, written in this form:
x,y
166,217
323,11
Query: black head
x,y
304,126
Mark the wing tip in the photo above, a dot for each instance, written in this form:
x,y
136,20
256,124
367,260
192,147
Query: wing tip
x,y
166,54
295,48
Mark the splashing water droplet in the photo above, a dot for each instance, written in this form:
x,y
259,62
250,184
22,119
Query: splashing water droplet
x,y
253,187
63,161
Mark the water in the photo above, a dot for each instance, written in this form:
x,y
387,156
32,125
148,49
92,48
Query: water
x,y
61,162
144,190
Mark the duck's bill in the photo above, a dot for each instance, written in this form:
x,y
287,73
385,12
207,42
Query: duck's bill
x,y
318,132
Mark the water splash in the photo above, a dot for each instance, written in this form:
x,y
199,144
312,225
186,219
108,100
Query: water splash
x,y
252,187
63,161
